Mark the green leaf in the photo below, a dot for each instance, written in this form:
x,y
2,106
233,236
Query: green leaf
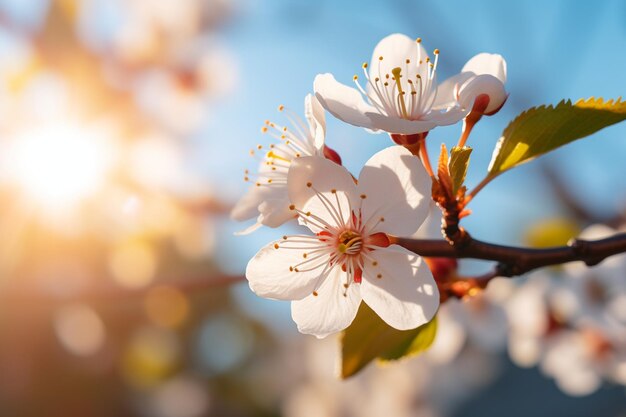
x,y
542,129
459,161
369,338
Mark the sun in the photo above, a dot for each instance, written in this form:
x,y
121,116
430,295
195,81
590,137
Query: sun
x,y
59,165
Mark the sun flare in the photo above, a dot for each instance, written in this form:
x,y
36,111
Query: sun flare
x,y
57,166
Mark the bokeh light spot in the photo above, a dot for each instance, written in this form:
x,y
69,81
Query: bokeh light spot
x,y
79,329
166,306
133,264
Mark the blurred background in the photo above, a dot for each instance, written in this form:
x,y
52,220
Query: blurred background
x,y
125,129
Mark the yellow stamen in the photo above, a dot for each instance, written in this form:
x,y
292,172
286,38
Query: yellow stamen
x,y
271,154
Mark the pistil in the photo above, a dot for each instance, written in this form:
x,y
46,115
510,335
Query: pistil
x,y
397,74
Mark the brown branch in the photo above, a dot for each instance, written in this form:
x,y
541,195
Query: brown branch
x,y
514,261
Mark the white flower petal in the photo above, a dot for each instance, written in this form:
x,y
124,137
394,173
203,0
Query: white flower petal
x,y
252,228
272,272
401,126
330,311
395,50
247,206
275,212
397,188
269,203
484,63
447,90
343,102
483,84
431,227
310,183
314,113
448,116
406,295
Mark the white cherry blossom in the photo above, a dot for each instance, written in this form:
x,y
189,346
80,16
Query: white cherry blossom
x,y
267,198
484,74
349,257
557,324
401,95
596,295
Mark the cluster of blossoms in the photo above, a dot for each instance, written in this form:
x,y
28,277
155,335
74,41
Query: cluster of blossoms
x,y
572,322
350,255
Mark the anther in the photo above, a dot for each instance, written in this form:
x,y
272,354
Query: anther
x,y
315,294
379,276
281,108
363,196
408,61
355,77
380,58
264,129
375,263
276,246
418,40
334,191
436,52
309,184
292,207
304,255
364,65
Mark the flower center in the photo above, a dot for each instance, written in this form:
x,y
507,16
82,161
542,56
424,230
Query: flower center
x,y
400,95
349,242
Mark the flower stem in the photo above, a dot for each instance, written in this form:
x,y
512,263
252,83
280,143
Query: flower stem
x,y
477,189
423,153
